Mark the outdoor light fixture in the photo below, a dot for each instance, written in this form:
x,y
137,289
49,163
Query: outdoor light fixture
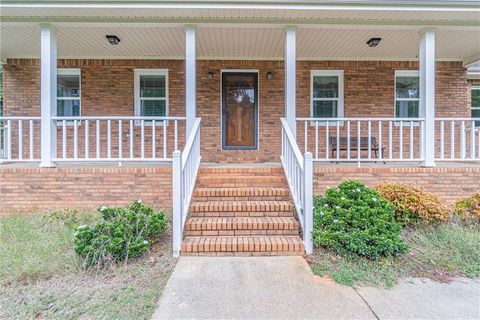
x,y
373,42
210,75
113,39
269,75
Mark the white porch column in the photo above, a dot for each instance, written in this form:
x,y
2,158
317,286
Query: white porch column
x,y
190,78
48,94
427,92
290,77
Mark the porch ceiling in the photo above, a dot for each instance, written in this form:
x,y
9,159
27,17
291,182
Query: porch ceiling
x,y
22,40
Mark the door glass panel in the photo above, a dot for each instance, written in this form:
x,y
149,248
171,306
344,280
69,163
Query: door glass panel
x,y
239,110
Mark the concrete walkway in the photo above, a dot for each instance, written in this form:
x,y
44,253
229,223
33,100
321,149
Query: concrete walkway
x,y
285,288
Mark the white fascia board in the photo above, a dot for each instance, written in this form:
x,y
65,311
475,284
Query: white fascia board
x,y
272,5
471,60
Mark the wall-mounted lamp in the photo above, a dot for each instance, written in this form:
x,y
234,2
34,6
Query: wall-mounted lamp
x,y
373,42
113,39
269,75
210,75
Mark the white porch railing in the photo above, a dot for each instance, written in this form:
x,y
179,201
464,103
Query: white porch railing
x,y
458,139
18,137
116,138
184,173
363,139
299,172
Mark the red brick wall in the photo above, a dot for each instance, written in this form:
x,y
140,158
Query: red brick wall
x,y
107,89
450,184
29,189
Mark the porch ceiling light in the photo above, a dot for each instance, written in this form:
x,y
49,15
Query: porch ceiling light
x,y
373,42
113,39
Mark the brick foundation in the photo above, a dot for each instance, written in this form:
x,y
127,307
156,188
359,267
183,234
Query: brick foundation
x,y
29,189
450,184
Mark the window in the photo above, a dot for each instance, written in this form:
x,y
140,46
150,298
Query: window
x,y
68,92
407,94
476,104
327,94
151,92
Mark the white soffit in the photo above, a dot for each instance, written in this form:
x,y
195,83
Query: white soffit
x,y
235,42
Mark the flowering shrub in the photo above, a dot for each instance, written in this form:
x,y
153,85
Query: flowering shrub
x,y
468,209
120,233
354,219
413,204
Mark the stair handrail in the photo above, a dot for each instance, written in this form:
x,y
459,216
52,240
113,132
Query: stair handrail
x,y
299,172
185,167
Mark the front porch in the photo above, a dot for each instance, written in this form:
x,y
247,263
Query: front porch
x,y
141,113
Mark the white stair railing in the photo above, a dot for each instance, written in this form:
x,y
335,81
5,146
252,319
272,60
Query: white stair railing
x,y
184,173
299,172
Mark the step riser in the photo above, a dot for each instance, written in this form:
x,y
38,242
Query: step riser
x,y
241,245
242,254
265,232
240,198
240,214
241,207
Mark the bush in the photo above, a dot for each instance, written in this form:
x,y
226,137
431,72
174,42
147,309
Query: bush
x,y
120,233
413,204
354,219
468,209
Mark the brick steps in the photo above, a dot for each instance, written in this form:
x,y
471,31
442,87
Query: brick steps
x,y
242,194
249,244
230,181
241,206
241,211
241,226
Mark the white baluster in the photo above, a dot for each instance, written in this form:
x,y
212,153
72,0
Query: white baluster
x,y
462,140
97,139
442,139
142,139
316,139
472,140
338,140
120,140
164,139
327,136
411,140
154,138
452,139
64,139
390,139
401,140
131,139
9,139
348,140
75,139
109,139
87,139
31,139
369,137
20,139
380,155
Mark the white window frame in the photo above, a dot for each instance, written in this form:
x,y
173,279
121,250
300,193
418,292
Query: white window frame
x,y
340,99
406,73
149,72
471,106
70,72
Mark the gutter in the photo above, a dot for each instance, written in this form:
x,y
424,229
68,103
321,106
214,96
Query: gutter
x,y
424,5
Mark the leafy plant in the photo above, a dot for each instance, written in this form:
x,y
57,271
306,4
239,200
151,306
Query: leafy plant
x,y
413,204
120,233
354,219
468,209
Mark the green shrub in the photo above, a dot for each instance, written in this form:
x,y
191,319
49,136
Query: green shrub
x,y
119,234
354,219
468,209
413,204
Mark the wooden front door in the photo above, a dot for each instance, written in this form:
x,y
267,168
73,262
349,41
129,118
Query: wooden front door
x,y
239,110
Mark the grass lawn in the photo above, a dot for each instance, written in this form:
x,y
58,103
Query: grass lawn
x,y
438,252
41,277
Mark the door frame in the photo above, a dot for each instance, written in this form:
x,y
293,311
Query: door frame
x,y
255,72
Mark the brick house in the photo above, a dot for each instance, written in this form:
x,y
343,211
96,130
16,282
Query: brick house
x,y
231,114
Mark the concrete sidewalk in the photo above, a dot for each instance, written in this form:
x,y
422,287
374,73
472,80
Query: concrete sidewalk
x,y
285,288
